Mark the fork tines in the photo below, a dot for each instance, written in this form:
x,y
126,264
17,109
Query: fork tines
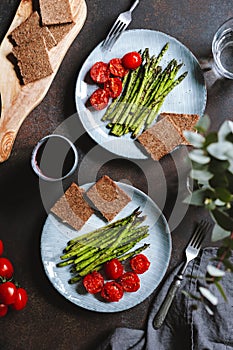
x,y
121,23
200,233
114,34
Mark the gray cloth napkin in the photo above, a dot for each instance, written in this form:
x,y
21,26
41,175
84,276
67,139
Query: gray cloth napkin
x,y
184,328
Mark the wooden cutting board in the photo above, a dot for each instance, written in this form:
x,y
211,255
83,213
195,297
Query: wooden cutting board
x,y
19,100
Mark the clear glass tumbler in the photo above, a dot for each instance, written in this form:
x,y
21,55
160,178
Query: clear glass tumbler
x,y
222,49
220,65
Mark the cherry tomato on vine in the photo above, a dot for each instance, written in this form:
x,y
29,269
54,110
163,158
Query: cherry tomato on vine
x,y
3,310
1,247
93,282
112,291
20,299
139,263
113,269
6,268
132,60
7,293
130,282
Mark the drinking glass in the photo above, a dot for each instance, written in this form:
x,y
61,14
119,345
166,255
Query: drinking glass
x,y
54,158
221,64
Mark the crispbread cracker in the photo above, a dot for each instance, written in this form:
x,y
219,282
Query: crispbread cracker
x,y
33,60
50,41
161,138
55,11
182,121
30,29
61,30
72,208
108,197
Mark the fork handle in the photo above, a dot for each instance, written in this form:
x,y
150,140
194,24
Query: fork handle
x,y
134,5
164,308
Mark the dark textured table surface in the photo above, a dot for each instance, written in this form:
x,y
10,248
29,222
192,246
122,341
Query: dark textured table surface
x,y
50,321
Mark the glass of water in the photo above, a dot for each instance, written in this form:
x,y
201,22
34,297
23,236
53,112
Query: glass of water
x,y
220,65
222,49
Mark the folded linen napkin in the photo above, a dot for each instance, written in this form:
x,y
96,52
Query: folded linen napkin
x,y
184,328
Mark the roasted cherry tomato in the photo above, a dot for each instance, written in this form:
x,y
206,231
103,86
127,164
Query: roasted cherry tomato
x,y
113,86
99,99
6,268
113,269
116,68
20,299
3,310
93,282
130,282
132,60
1,247
7,293
139,263
112,291
100,72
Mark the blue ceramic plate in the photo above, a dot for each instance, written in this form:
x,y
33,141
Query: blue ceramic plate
x,y
187,97
56,234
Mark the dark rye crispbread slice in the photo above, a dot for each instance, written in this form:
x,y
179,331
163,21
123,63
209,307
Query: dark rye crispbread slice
x,y
72,208
182,121
50,41
108,197
33,60
161,138
55,12
61,30
30,29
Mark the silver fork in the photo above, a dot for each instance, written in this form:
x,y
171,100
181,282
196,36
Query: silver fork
x,y
191,253
121,23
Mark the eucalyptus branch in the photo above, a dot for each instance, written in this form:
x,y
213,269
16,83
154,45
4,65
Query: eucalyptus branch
x,y
212,172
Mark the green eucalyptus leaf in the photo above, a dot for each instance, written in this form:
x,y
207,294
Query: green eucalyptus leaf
x,y
221,150
218,166
214,271
212,137
229,177
223,194
219,203
197,140
196,197
206,293
201,175
218,181
229,153
230,168
221,290
223,219
209,310
225,129
230,138
198,166
199,156
203,124
219,233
